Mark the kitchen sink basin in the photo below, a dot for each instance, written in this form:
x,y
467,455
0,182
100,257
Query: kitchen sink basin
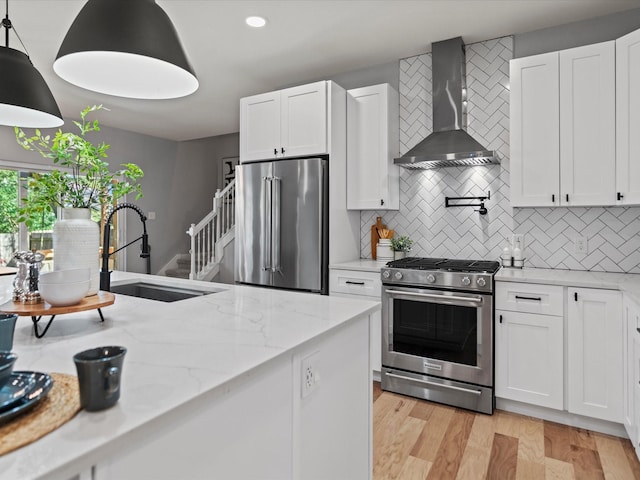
x,y
162,293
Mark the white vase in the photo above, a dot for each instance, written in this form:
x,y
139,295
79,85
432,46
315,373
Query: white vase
x,y
76,244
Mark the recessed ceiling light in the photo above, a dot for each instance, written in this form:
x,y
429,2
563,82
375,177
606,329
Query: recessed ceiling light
x,y
256,22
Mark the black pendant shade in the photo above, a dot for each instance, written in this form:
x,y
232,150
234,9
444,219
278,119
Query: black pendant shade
x,y
127,48
25,98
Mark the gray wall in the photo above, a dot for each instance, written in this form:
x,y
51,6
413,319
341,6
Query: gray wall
x,y
179,183
595,30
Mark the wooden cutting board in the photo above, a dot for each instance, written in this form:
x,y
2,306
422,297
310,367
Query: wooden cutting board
x,y
375,237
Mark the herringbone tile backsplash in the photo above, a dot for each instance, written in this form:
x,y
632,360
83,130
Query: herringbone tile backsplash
x,y
549,233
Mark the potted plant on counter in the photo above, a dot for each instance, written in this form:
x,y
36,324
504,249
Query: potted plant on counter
x,y
82,184
401,246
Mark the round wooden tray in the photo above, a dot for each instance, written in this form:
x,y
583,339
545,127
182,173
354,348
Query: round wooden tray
x,y
102,299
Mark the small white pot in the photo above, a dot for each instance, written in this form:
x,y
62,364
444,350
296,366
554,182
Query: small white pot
x,y
397,255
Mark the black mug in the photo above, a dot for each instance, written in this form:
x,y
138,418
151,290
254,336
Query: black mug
x,y
99,373
7,326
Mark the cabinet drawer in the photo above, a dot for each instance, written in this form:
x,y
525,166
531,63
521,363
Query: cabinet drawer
x,y
529,298
355,282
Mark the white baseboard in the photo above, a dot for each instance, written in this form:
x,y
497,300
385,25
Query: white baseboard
x,y
560,416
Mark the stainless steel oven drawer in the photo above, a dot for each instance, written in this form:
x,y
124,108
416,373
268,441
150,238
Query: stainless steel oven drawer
x,y
449,392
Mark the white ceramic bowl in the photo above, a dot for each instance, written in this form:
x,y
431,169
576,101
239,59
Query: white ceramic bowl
x,y
64,287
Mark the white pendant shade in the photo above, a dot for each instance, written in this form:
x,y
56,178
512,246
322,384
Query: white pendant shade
x,y
127,48
126,75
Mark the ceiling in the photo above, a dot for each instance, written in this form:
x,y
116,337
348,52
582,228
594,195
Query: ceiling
x,y
303,41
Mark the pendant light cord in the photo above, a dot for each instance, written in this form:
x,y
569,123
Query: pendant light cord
x,y
6,23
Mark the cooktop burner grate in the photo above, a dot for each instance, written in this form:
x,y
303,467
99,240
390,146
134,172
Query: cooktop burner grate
x,y
451,265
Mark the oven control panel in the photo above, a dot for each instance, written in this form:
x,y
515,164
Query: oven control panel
x,y
471,281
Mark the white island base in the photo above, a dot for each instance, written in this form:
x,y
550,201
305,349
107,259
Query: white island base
x,y
260,426
247,383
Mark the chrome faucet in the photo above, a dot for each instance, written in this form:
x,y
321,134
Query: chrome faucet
x,y
105,274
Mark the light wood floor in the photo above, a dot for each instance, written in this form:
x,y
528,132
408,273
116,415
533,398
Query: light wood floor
x,y
415,439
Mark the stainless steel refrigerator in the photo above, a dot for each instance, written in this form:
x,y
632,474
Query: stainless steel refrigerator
x,y
282,224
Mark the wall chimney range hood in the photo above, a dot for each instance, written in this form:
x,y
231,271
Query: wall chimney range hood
x,y
449,145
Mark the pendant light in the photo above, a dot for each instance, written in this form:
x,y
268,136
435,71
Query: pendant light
x,y
25,98
126,48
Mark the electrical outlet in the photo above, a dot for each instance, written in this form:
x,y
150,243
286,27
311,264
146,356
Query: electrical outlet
x,y
581,246
310,374
151,216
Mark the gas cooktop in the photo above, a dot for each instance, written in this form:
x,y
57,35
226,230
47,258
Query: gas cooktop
x,y
445,264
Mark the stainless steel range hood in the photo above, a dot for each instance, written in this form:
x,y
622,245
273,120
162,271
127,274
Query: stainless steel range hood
x,y
449,145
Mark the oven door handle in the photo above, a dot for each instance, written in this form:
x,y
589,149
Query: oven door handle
x,y
433,384
431,296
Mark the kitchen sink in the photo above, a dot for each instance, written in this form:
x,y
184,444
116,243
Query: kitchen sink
x,y
162,293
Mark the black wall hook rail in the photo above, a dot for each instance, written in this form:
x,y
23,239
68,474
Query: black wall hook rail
x,y
482,210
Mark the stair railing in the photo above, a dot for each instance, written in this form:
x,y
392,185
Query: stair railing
x,y
207,249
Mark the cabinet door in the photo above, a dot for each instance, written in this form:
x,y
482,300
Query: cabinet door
x,y
373,181
535,132
529,358
260,127
636,393
594,354
304,120
630,324
587,125
628,118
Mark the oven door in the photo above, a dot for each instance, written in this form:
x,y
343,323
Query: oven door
x,y
439,333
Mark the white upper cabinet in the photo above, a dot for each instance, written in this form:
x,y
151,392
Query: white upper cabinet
x,y
535,131
373,181
628,118
563,128
259,126
304,120
287,123
587,125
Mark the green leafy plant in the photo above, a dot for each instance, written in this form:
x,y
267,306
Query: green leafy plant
x,y
85,182
401,244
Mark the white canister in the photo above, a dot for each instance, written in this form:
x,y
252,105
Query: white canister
x,y
384,251
76,244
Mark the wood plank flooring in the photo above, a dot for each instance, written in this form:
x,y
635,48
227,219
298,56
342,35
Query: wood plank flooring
x,y
418,440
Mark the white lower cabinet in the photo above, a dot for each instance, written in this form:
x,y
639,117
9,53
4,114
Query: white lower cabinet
x,y
635,438
595,353
529,358
530,343
360,284
631,316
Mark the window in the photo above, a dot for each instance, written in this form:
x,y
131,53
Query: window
x,y
15,236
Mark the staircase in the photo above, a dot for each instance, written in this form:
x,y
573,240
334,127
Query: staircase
x,y
209,237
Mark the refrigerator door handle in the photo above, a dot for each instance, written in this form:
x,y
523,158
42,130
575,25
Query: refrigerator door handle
x,y
275,225
266,223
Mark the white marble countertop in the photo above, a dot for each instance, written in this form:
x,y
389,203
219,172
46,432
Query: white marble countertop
x,y
628,283
361,264
176,352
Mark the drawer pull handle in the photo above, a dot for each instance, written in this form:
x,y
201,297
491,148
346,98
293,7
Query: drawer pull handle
x,y
536,299
349,282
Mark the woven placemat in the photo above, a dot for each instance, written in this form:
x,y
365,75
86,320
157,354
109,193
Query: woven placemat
x,y
58,407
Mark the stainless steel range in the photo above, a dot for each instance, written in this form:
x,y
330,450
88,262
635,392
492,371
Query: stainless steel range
x,y
437,330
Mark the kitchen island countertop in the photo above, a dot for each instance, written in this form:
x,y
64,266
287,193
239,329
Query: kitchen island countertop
x,y
176,352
